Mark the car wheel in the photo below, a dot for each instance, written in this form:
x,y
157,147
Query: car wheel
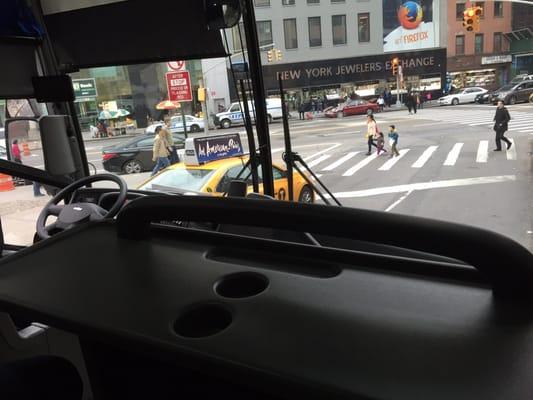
x,y
226,123
132,167
269,117
531,98
306,195
455,102
195,128
512,100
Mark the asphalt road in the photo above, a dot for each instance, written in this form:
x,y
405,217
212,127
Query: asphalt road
x,y
447,169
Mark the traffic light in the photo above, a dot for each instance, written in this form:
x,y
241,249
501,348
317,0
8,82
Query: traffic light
x,y
395,65
270,56
279,56
471,17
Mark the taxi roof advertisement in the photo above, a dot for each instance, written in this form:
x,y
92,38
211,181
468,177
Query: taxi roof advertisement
x,y
409,25
217,147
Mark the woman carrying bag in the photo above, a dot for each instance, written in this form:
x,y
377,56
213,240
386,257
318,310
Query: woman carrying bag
x,y
371,132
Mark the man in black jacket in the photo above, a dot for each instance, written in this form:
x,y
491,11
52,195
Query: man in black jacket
x,y
501,119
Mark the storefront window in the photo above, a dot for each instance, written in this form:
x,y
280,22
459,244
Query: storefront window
x,y
363,23
291,36
478,44
338,23
264,31
459,45
315,32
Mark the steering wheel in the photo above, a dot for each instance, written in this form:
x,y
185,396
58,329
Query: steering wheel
x,y
73,214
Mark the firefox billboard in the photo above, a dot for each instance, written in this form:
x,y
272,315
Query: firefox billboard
x,y
409,25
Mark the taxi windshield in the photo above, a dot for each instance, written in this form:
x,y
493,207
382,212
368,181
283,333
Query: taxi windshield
x,y
179,178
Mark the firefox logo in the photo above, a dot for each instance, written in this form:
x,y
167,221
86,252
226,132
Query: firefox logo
x,y
410,15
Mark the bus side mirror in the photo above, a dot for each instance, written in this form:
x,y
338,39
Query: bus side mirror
x,y
222,14
57,146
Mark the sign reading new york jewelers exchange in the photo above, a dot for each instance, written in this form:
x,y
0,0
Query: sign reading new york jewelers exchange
x,y
357,69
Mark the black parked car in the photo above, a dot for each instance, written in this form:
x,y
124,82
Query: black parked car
x,y
483,98
135,155
514,93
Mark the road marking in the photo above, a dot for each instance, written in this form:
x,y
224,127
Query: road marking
x,y
389,164
360,164
318,153
389,208
425,186
527,131
424,157
482,151
340,161
318,160
451,159
511,153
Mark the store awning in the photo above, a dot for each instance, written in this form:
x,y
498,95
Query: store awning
x,y
520,34
97,33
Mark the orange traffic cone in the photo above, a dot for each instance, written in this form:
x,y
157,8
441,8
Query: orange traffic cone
x,y
6,183
25,149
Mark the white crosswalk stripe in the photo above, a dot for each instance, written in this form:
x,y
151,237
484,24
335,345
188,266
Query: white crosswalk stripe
x,y
341,161
426,155
360,164
389,164
453,155
482,117
317,161
482,151
511,153
422,156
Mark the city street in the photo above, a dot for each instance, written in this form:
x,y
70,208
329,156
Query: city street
x,y
446,170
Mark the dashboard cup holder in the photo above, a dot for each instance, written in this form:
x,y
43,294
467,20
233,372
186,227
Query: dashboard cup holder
x,y
241,285
203,320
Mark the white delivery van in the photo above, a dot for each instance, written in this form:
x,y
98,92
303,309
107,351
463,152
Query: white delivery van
x,y
234,114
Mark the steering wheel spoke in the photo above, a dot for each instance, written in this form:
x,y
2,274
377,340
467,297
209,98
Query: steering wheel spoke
x,y
51,227
55,209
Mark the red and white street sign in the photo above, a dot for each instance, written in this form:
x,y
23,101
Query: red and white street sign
x,y
179,86
176,66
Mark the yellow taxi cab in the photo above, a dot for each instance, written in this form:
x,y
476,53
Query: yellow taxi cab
x,y
213,177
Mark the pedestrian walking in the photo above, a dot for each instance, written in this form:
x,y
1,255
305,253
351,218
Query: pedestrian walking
x,y
371,131
160,152
380,143
15,151
301,111
409,103
414,101
501,121
173,153
17,157
381,103
393,141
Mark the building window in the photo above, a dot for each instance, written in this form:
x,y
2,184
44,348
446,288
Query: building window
x,y
498,9
262,3
363,22
482,5
338,1
459,11
338,24
478,43
237,44
287,2
498,41
264,31
291,36
315,32
459,45
313,1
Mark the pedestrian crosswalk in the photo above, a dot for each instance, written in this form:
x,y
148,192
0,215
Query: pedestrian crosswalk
x,y
521,121
350,163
